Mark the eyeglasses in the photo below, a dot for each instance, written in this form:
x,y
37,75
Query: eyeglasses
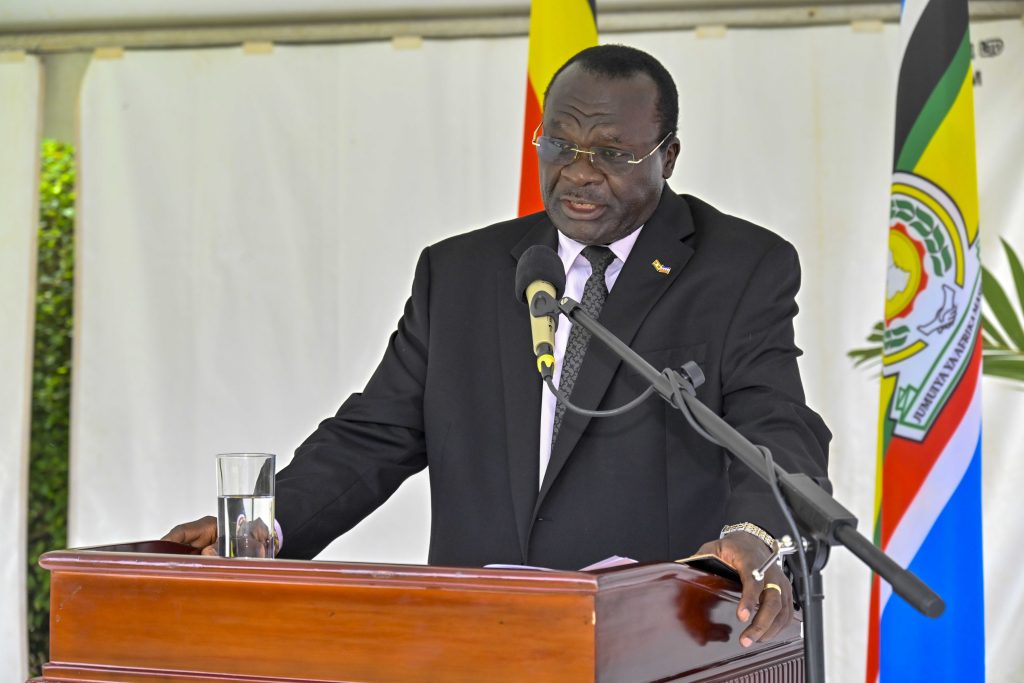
x,y
605,159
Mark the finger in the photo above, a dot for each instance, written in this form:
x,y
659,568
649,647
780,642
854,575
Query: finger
x,y
785,615
770,606
781,622
749,597
175,535
210,550
198,534
180,534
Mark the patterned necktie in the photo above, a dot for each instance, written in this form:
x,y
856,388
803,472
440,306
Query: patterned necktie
x,y
595,291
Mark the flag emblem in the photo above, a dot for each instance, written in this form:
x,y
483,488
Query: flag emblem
x,y
932,307
660,267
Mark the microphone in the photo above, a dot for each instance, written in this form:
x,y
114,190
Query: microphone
x,y
540,274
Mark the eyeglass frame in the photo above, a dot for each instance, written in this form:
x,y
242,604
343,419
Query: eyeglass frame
x,y
577,151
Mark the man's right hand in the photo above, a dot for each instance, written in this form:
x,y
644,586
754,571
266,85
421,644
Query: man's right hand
x,y
201,534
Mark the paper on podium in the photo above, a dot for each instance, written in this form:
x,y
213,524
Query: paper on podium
x,y
706,562
613,561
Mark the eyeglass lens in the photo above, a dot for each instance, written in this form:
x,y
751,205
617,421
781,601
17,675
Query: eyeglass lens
x,y
605,159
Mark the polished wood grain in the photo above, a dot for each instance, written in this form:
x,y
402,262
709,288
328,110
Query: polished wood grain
x,y
671,622
120,616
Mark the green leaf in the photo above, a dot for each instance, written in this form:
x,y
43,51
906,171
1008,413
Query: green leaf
x,y
870,355
998,302
989,329
48,441
865,355
1016,270
1007,367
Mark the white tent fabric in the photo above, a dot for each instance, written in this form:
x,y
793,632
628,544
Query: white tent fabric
x,y
20,87
248,231
248,226
999,103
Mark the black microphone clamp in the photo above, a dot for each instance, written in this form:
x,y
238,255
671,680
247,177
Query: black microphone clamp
x,y
544,304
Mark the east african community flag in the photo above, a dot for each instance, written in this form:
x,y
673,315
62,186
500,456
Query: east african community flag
x,y
928,493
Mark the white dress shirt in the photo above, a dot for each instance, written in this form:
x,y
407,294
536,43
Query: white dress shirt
x,y
577,271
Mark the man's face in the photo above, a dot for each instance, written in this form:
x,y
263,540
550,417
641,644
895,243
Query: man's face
x,y
588,110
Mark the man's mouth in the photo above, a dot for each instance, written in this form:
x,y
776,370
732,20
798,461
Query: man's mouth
x,y
580,208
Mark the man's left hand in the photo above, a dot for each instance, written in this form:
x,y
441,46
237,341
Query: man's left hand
x,y
771,609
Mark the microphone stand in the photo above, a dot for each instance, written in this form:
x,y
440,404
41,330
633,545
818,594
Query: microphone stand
x,y
822,521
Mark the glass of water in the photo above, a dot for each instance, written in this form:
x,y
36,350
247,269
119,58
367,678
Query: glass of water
x,y
245,505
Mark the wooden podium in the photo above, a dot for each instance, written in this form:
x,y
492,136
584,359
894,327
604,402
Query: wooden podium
x,y
146,613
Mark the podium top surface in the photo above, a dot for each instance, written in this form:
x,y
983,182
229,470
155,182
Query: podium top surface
x,y
162,558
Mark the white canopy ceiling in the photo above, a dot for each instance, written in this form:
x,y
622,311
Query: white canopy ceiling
x,y
35,15
63,15
48,26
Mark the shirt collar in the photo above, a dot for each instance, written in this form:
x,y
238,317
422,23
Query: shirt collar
x,y
569,249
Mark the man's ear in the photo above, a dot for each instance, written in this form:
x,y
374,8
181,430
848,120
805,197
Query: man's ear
x,y
671,154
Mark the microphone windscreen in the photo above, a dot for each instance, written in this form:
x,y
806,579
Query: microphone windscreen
x,y
539,262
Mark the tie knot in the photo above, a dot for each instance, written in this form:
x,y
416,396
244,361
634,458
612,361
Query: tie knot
x,y
599,257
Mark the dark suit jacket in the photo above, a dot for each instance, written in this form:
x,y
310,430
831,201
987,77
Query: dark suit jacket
x,y
458,391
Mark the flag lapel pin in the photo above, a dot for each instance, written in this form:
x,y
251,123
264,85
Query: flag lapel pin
x,y
660,267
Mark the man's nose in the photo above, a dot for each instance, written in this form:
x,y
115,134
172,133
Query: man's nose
x,y
581,171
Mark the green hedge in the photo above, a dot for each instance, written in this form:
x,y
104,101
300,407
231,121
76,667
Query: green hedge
x,y
51,386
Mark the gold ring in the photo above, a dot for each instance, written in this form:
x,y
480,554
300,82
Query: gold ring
x,y
773,586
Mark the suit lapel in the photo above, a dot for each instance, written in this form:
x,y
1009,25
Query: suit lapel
x,y
638,288
522,384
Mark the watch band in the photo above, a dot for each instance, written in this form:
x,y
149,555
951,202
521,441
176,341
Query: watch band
x,y
753,529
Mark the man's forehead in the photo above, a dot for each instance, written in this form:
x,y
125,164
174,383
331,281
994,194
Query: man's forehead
x,y
608,107
612,130
578,82
580,93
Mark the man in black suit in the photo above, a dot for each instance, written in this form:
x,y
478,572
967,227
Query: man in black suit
x,y
457,390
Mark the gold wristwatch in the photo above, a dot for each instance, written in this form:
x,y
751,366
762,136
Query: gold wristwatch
x,y
754,529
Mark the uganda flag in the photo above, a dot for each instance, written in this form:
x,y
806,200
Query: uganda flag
x,y
558,30
928,491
